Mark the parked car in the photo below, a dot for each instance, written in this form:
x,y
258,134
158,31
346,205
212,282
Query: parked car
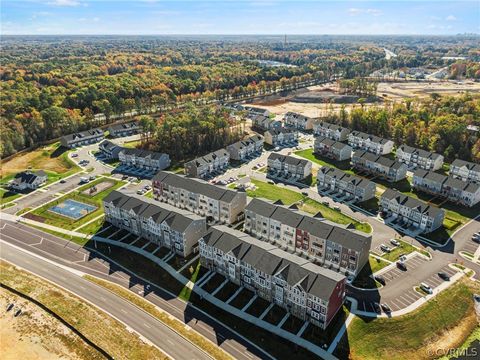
x,y
385,248
402,258
395,242
74,155
63,181
444,276
276,148
325,203
18,312
425,287
147,187
380,279
401,265
305,193
93,177
350,279
386,308
10,306
140,192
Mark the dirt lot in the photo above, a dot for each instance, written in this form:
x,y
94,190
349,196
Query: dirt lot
x,y
50,157
394,91
35,334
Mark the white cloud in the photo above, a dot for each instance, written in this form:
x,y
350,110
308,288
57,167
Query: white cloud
x,y
64,3
450,18
358,11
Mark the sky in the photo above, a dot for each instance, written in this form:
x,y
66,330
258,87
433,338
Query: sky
x,y
125,17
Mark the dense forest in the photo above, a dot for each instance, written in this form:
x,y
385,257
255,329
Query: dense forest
x,y
437,124
54,85
191,131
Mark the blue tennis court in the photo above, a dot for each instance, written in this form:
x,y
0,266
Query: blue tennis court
x,y
72,209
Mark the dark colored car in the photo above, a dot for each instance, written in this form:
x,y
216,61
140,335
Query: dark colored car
x,y
401,265
386,309
380,279
444,276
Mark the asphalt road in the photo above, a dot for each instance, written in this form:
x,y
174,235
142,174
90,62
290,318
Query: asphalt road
x,y
79,258
152,329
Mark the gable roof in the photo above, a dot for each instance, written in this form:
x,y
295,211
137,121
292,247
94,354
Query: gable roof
x,y
420,206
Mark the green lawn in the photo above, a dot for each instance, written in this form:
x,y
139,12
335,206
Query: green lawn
x,y
407,336
96,200
132,144
322,161
313,207
404,248
93,227
274,192
376,264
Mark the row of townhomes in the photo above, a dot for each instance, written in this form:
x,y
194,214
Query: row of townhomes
x,y
453,189
370,143
289,168
466,171
144,159
218,204
332,149
217,162
261,122
417,158
109,149
82,138
253,111
246,149
379,166
28,180
176,229
330,131
209,165
354,188
409,212
125,129
331,245
298,121
281,137
304,289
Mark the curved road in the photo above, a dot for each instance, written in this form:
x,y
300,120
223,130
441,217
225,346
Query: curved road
x,y
73,256
140,321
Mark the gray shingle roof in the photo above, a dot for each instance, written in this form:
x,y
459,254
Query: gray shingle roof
x,y
412,203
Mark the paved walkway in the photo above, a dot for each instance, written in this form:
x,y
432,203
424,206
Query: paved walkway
x,y
183,280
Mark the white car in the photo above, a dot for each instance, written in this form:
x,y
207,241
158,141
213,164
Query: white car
x,y
425,287
395,242
385,248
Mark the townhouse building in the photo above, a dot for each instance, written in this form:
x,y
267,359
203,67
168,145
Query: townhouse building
x,y
410,212
370,143
82,138
379,166
28,180
245,149
176,229
125,129
209,165
330,245
144,159
109,149
454,190
281,136
466,171
298,121
288,167
332,149
262,123
307,291
219,205
417,158
353,187
252,111
331,131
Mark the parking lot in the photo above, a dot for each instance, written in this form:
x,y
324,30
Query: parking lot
x,y
133,171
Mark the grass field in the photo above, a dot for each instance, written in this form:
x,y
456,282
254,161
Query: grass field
x,y
96,200
431,326
93,227
53,159
104,331
319,160
288,197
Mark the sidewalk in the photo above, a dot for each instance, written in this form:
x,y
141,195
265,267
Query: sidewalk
x,y
186,282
